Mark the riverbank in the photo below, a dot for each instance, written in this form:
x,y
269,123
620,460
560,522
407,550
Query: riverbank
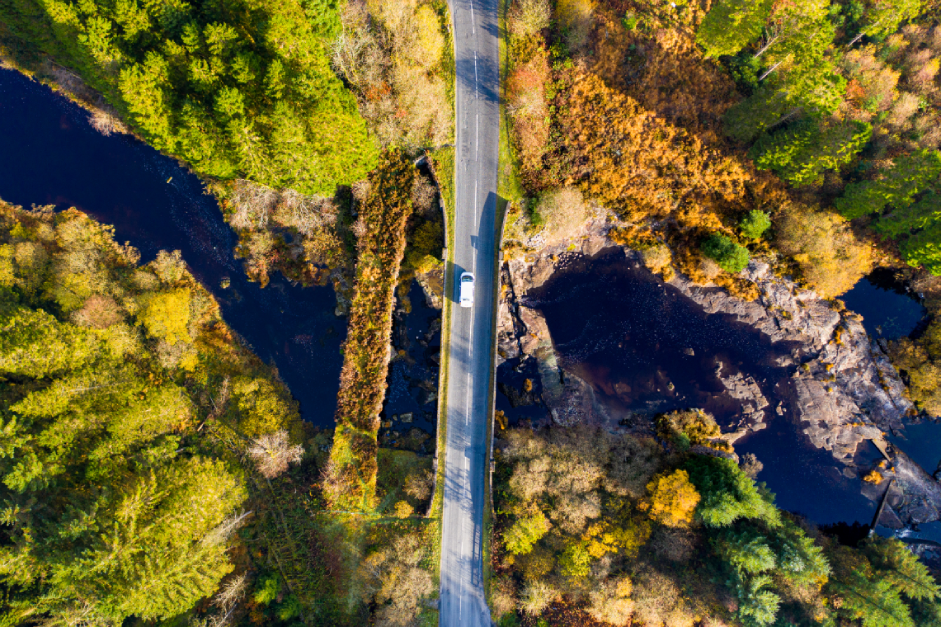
x,y
57,158
814,369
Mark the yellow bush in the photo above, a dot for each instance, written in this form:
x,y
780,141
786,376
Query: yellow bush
x,y
166,315
6,265
403,509
430,40
874,477
671,500
830,258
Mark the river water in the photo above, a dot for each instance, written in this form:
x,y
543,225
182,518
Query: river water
x,y
49,154
642,345
646,348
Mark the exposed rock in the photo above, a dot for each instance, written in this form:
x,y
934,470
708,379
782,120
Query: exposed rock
x,y
571,402
843,388
432,285
745,389
915,494
845,391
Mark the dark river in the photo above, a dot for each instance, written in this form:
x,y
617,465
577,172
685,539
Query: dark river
x,y
644,347
888,309
641,344
50,155
412,396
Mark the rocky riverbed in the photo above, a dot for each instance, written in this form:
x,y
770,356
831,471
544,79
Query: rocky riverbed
x,y
836,382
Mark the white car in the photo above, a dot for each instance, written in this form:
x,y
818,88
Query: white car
x,y
467,289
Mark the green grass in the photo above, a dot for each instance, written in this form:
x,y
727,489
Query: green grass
x,y
509,186
443,166
446,68
442,161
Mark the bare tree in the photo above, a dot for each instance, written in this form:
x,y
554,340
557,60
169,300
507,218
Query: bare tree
x,y
307,214
231,592
224,530
251,204
273,453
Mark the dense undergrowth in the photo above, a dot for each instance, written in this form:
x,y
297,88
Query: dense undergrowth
x,y
687,119
626,102
602,529
143,443
248,95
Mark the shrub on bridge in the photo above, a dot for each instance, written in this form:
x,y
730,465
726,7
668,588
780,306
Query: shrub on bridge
x,y
380,232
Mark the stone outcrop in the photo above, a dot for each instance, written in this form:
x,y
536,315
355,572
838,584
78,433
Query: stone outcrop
x,y
912,496
745,389
842,387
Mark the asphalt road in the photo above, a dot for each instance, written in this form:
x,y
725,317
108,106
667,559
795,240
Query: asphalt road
x,y
467,452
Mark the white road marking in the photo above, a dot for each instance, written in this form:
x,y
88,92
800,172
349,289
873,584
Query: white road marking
x,y
477,138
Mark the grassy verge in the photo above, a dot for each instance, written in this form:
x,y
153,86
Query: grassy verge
x,y
509,185
443,165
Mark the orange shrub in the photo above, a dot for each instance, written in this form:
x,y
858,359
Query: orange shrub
x,y
526,99
639,165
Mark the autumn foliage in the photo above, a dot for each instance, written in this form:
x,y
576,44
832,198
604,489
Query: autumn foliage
x,y
671,499
639,165
380,231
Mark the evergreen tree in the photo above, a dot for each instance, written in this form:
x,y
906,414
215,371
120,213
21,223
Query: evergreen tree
x,y
234,91
864,593
731,25
754,224
730,256
902,568
896,187
815,90
924,249
911,218
802,153
111,506
727,493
